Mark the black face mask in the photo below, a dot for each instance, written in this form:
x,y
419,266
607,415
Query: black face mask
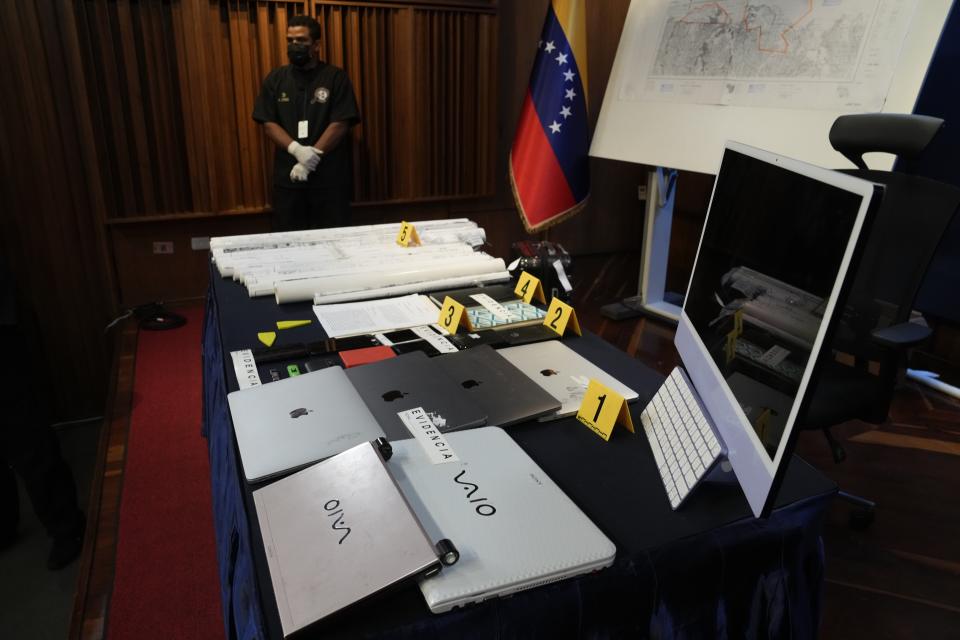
x,y
298,53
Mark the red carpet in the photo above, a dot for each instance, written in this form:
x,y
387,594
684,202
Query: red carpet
x,y
166,584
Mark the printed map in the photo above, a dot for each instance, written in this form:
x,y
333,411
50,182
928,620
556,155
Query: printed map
x,y
771,39
790,53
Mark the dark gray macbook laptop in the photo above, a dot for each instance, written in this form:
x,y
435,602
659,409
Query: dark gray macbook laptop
x,y
409,381
504,392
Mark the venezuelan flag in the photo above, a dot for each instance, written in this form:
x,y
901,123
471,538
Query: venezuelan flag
x,y
549,168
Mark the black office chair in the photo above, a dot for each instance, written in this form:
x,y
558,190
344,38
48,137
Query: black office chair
x,y
875,325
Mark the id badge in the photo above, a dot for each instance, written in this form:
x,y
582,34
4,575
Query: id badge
x,y
302,129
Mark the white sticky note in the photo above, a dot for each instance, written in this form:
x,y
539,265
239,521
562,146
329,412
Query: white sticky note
x,y
562,276
493,307
774,355
440,343
245,367
421,425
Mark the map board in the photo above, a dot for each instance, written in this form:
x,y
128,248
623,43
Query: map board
x,y
774,74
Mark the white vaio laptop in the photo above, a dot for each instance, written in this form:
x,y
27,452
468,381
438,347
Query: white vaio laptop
x,y
562,372
514,528
293,422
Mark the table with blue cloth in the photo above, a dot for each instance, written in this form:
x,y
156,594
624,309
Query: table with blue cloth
x,y
708,570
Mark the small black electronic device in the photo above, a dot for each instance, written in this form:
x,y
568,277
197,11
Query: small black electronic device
x,y
322,362
417,345
154,317
403,335
493,338
527,335
265,355
333,345
355,342
549,262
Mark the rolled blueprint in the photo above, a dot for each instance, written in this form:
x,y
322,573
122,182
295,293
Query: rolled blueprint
x,y
228,262
433,230
306,288
263,279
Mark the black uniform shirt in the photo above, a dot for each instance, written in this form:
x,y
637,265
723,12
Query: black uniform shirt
x,y
320,96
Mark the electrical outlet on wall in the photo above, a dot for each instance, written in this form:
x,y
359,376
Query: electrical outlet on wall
x,y
163,247
200,243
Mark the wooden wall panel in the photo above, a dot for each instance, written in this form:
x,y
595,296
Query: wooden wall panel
x,y
50,231
175,81
185,270
419,72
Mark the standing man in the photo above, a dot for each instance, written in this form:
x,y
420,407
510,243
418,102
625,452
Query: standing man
x,y
28,446
307,108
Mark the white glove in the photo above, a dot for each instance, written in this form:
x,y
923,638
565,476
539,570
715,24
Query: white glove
x,y
299,173
308,156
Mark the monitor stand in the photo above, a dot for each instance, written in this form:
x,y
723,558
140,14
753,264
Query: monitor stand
x,y
653,299
721,473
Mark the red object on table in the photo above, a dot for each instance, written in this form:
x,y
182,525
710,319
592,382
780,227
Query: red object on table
x,y
356,357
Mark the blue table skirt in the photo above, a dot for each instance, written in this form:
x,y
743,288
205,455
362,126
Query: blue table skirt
x,y
749,578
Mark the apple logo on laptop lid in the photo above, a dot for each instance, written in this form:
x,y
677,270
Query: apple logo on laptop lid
x,y
393,394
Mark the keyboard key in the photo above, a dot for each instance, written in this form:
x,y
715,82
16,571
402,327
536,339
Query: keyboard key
x,y
657,454
698,467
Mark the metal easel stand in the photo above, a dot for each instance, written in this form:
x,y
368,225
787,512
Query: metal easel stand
x,y
661,193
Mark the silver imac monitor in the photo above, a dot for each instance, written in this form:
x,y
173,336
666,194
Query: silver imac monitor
x,y
771,267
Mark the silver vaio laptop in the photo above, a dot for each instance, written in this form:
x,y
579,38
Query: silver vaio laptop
x,y
563,373
338,532
290,423
514,528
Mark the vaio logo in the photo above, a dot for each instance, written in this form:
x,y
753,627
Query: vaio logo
x,y
333,509
482,509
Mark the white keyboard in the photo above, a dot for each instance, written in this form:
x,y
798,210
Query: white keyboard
x,y
680,436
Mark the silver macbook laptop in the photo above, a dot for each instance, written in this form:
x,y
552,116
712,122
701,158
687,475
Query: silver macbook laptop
x,y
290,423
501,390
337,532
514,528
562,372
409,381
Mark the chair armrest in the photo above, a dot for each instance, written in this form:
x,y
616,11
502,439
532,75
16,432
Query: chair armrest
x,y
905,334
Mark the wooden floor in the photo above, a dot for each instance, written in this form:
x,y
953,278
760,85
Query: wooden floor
x,y
900,578
95,582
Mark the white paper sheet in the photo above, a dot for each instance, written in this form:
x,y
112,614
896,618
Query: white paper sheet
x,y
376,316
